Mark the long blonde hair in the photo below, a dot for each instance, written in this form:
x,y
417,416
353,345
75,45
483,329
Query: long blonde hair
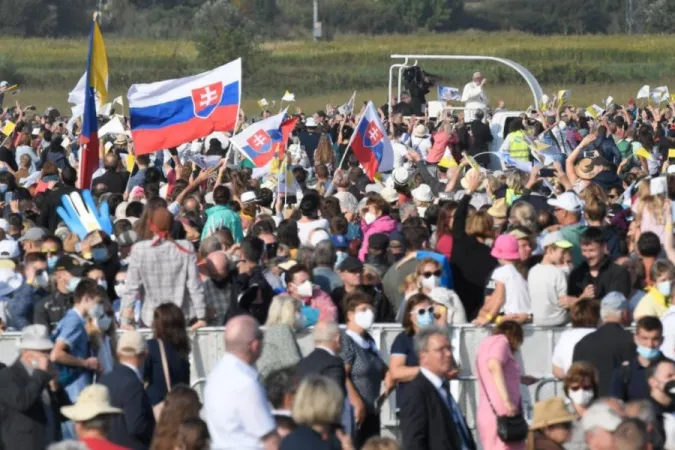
x,y
282,311
654,204
324,152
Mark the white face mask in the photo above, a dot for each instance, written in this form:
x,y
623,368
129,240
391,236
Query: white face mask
x,y
305,289
120,289
101,319
42,280
369,218
431,282
364,319
581,397
664,287
566,270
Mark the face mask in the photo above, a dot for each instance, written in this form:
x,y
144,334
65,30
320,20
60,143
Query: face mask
x,y
102,320
300,321
664,288
364,319
100,254
369,218
648,353
41,280
581,397
120,289
340,256
425,320
566,270
103,284
51,263
431,282
305,289
72,284
669,389
3,188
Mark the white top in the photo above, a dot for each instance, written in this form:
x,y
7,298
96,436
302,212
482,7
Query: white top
x,y
547,283
564,349
305,228
400,151
517,299
473,93
237,412
421,145
668,321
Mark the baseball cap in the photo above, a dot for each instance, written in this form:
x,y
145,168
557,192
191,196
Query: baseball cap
x,y
33,234
70,265
378,241
556,238
600,415
9,249
131,343
350,264
569,201
615,301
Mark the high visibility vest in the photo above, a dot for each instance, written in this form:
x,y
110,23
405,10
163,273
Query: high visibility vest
x,y
519,148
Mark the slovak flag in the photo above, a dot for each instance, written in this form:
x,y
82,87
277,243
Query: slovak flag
x,y
370,143
260,140
169,113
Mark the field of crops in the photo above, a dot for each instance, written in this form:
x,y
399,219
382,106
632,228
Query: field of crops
x,y
592,66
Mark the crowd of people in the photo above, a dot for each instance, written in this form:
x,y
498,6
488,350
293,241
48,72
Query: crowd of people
x,y
575,228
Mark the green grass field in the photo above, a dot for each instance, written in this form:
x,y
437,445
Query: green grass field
x,y
592,66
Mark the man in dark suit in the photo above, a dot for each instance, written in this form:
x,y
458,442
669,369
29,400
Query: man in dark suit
x,y
30,400
610,345
115,181
479,138
430,417
134,428
324,360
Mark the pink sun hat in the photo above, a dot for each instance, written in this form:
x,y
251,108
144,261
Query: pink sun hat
x,y
506,247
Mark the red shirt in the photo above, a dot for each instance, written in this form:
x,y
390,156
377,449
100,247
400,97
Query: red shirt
x,y
101,444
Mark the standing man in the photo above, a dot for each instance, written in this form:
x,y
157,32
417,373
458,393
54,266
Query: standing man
x,y
430,417
610,344
324,359
548,284
237,412
29,399
661,379
135,426
51,309
473,97
479,138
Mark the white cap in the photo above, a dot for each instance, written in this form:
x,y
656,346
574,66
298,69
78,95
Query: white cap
x,y
3,84
569,201
9,249
389,194
556,238
310,122
422,193
248,197
401,175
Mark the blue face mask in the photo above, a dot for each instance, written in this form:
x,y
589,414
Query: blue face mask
x,y
51,263
648,353
425,320
99,254
72,284
3,188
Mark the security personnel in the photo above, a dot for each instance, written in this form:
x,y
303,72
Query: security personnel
x,y
516,143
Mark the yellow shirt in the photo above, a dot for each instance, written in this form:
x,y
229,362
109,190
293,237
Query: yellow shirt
x,y
652,304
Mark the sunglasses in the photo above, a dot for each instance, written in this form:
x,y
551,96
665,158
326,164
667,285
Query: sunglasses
x,y
423,311
437,273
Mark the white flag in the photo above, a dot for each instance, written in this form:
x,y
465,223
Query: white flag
x,y
348,108
643,92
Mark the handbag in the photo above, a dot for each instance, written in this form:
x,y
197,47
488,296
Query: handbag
x,y
157,409
509,429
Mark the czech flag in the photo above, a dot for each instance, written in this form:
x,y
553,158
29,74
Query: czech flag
x,y
97,80
370,144
260,141
169,113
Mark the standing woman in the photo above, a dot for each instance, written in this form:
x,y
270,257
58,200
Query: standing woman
x,y
498,374
446,219
167,363
364,366
280,348
376,220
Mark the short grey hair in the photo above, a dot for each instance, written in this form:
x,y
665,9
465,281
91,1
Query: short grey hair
x,y
422,337
644,411
326,332
324,254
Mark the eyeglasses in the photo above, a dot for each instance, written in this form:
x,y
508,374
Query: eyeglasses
x,y
437,273
423,311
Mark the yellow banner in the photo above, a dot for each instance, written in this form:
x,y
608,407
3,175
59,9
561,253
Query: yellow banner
x,y
8,128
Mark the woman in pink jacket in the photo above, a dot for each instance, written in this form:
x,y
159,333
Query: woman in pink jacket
x,y
375,220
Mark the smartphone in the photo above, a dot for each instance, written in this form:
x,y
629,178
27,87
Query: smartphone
x,y
589,154
547,172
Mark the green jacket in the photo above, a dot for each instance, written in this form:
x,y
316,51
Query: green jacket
x,y
218,217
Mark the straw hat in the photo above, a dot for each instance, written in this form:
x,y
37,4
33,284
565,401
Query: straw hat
x,y
121,140
463,182
589,168
498,209
551,412
93,401
422,193
420,131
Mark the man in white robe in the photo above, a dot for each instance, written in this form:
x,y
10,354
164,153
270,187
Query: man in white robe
x,y
474,98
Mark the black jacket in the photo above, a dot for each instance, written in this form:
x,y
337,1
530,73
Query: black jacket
x,y
51,309
480,138
320,362
135,426
606,348
611,277
471,263
51,200
116,182
24,419
426,421
252,294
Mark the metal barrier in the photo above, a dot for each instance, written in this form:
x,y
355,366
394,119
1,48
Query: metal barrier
x,y
535,358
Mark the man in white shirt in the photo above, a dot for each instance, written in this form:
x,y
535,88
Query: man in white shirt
x,y
547,283
473,97
237,411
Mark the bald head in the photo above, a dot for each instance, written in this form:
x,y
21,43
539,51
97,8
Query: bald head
x,y
216,265
243,338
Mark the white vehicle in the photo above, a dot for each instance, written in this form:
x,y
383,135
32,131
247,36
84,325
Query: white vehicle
x,y
501,120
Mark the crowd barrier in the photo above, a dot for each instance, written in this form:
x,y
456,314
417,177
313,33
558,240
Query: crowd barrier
x,y
535,357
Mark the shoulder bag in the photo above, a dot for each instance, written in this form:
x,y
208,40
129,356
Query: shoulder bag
x,y
509,429
157,409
